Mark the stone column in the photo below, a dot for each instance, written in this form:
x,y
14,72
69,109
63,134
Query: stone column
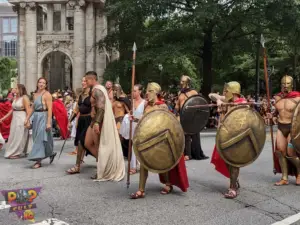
x,y
63,17
101,32
21,44
90,37
31,46
49,17
79,44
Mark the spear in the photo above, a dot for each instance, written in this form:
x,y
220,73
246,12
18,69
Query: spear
x,y
262,41
132,106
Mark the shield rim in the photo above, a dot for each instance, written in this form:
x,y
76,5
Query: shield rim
x,y
137,153
218,134
295,113
184,105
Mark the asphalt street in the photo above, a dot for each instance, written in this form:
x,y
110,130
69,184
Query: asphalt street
x,y
76,199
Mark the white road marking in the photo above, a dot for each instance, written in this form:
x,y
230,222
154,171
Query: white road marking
x,y
51,221
290,220
3,205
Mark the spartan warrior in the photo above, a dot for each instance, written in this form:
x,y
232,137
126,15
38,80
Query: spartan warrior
x,y
158,145
192,141
238,126
121,104
286,159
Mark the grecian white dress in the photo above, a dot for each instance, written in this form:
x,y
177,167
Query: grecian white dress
x,y
17,141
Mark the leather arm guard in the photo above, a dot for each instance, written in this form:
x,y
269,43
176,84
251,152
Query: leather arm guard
x,y
73,116
98,117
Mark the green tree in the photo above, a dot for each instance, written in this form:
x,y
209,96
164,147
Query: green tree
x,y
7,71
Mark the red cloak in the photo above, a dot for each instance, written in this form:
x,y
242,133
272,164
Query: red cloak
x,y
291,168
216,159
178,175
5,107
61,116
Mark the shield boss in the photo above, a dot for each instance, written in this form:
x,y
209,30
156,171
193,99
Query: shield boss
x,y
158,141
241,136
295,131
194,120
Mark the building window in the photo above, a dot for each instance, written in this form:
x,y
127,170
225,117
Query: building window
x,y
5,25
13,25
9,25
9,46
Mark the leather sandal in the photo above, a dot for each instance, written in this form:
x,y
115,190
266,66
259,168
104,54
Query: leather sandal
x,y
166,190
37,165
74,170
231,194
137,195
282,183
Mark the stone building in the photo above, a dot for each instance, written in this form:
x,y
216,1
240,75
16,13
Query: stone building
x,y
56,40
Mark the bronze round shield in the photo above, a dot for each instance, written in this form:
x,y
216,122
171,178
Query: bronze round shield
x,y
193,120
158,141
241,136
295,131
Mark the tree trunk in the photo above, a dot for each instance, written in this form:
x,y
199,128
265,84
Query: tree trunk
x,y
207,59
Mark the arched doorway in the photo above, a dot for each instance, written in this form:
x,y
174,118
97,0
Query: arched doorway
x,y
57,68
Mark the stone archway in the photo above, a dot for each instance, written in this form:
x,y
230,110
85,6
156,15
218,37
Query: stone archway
x,y
56,66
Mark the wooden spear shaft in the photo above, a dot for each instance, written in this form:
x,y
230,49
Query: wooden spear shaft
x,y
269,104
131,113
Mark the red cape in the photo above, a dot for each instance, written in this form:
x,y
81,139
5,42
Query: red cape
x,y
292,94
5,107
216,159
61,116
178,176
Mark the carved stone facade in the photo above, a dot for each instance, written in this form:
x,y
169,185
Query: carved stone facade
x,y
71,27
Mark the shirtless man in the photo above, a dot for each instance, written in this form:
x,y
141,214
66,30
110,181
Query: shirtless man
x,y
186,92
101,129
121,104
109,88
285,103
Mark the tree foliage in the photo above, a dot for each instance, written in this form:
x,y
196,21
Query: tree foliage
x,y
7,71
212,41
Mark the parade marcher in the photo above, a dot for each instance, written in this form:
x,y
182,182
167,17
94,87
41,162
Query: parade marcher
x,y
121,104
138,110
286,159
5,107
83,109
61,116
192,141
41,111
231,94
102,139
109,88
176,176
17,141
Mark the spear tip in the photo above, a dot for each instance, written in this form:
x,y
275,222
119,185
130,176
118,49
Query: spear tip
x,y
134,48
262,40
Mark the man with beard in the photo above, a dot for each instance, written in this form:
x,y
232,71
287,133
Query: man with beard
x,y
286,158
176,176
109,88
102,138
192,141
121,104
